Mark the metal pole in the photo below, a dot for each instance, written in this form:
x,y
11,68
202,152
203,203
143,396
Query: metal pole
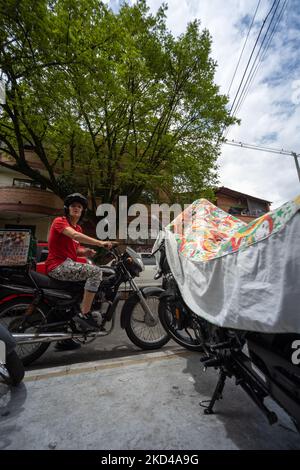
x,y
296,163
267,149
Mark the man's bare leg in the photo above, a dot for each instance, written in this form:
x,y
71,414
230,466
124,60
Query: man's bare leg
x,y
87,301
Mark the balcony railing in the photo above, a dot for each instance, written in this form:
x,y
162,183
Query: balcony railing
x,y
29,200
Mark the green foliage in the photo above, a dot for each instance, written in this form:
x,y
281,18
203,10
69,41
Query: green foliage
x,y
111,103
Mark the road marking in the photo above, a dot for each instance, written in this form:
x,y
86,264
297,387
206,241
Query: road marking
x,y
74,369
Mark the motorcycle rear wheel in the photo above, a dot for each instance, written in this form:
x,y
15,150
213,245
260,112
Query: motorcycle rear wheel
x,y
186,337
12,316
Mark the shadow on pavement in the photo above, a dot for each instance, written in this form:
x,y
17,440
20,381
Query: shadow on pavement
x,y
243,422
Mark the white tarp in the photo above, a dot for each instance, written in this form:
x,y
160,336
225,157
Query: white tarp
x,y
236,275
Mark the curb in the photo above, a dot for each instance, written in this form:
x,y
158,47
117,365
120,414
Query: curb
x,y
41,374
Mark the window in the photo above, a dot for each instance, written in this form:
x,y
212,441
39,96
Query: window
x,y
22,183
237,210
257,208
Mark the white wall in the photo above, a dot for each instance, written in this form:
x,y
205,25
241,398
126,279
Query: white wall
x,y
42,225
6,179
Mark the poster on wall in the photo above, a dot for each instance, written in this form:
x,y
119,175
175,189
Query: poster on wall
x,y
14,247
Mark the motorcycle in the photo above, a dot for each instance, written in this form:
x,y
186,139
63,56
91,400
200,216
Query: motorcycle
x,y
11,367
264,365
183,325
39,310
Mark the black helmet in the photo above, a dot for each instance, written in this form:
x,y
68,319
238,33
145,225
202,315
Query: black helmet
x,y
75,197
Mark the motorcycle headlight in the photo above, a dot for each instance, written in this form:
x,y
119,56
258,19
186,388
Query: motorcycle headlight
x,y
136,258
133,266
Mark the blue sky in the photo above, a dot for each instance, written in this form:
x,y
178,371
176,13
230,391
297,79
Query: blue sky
x,y
270,114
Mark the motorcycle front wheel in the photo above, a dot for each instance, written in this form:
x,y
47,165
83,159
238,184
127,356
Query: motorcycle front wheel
x,y
12,315
144,331
188,333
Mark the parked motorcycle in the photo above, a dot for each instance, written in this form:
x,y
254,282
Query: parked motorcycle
x,y
11,367
39,310
264,365
183,325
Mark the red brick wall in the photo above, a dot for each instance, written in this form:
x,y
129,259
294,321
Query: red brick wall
x,y
29,200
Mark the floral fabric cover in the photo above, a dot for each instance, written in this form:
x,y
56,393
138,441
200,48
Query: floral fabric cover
x,y
204,232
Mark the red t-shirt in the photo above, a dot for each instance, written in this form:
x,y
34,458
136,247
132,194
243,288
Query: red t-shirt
x,y
60,246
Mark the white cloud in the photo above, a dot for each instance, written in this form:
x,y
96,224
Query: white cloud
x,y
296,92
272,106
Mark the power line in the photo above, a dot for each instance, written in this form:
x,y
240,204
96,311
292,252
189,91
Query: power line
x,y
245,42
263,55
252,52
256,58
238,63
261,148
259,57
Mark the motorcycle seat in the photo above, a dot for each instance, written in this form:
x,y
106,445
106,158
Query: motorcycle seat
x,y
47,282
42,281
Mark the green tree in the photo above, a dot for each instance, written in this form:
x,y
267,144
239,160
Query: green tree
x,y
111,103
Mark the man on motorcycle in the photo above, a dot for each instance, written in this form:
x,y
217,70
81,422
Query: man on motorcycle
x,y
64,246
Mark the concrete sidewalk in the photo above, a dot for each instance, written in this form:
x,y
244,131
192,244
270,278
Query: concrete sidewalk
x,y
150,401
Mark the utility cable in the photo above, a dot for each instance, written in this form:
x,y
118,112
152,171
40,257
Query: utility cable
x,y
261,148
250,58
246,68
245,42
262,58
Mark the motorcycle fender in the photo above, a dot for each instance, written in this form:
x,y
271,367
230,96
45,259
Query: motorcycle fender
x,y
132,298
14,296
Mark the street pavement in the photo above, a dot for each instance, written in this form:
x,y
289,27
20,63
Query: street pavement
x,y
146,401
115,345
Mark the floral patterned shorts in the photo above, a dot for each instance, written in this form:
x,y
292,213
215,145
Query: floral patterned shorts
x,y
69,270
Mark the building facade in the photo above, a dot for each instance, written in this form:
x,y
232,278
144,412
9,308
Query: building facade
x,y
243,206
25,203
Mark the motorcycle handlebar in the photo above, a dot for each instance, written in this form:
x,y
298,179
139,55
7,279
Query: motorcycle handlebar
x,y
113,250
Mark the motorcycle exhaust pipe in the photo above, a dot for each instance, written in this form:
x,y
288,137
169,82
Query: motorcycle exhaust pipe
x,y
29,338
